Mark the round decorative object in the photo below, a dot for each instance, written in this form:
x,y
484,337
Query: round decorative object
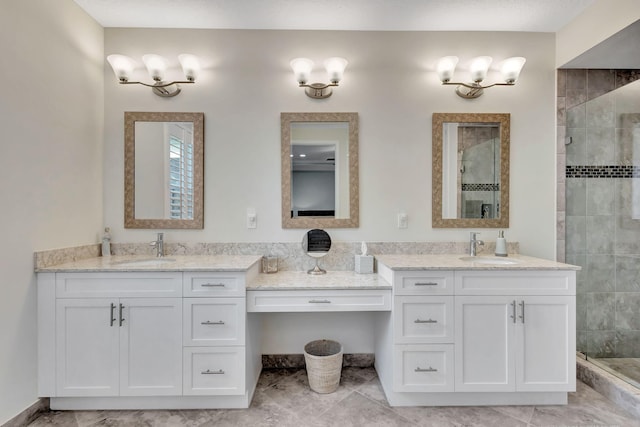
x,y
316,243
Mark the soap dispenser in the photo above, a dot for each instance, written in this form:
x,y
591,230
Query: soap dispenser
x,y
106,242
501,244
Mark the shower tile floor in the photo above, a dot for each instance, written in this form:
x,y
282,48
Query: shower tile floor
x,y
283,399
625,366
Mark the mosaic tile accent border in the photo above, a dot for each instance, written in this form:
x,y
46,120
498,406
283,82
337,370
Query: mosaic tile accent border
x,y
480,187
607,171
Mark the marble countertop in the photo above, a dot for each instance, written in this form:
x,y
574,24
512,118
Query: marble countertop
x,y
125,263
293,280
454,262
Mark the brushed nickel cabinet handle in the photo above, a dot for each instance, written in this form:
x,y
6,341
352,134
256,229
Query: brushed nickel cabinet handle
x,y
522,311
319,301
513,311
429,369
111,318
121,310
212,285
208,372
425,284
425,321
208,322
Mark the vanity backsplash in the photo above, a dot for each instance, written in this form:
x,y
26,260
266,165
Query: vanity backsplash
x,y
290,255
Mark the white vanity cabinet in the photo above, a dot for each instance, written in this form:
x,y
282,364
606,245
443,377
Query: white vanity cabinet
x,y
483,336
129,346
515,331
214,334
147,339
423,332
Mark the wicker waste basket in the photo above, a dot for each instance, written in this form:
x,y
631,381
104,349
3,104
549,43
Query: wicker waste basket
x,y
324,365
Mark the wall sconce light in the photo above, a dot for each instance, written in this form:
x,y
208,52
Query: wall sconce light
x,y
302,69
156,67
510,71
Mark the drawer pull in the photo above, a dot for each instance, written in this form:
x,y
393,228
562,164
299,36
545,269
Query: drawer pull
x,y
429,369
425,321
208,322
319,301
425,284
212,285
208,372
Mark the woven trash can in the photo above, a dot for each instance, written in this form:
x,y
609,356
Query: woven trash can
x,y
324,365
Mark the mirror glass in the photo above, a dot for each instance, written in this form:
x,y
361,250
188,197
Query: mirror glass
x,y
319,170
470,170
164,170
316,244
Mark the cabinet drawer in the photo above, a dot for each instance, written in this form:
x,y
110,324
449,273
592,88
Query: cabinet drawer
x,y
423,319
420,368
213,284
214,371
110,285
532,282
214,321
423,283
305,301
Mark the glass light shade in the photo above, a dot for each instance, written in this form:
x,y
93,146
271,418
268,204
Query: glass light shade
x,y
156,66
335,68
122,66
302,69
446,67
511,68
479,68
190,65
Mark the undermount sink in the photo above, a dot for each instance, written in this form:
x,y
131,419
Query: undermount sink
x,y
146,261
489,260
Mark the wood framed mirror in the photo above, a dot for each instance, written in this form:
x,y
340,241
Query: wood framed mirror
x,y
163,170
320,187
470,176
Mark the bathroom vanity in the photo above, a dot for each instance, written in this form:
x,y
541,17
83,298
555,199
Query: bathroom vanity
x,y
131,332
184,332
477,332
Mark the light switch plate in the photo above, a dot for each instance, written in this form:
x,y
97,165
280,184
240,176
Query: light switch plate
x,y
403,220
252,220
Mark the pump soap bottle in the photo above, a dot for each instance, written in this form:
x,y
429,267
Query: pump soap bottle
x,y
106,242
501,244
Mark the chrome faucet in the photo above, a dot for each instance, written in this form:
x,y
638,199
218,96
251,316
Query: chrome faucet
x,y
474,243
159,245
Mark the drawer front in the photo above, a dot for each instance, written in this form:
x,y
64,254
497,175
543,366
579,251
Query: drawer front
x,y
423,283
214,321
423,368
420,319
213,284
319,301
532,282
214,371
110,285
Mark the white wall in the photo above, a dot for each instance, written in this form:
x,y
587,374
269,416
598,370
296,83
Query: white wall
x,y
598,22
390,82
51,115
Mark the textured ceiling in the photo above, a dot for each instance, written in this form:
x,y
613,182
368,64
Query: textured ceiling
x,y
359,15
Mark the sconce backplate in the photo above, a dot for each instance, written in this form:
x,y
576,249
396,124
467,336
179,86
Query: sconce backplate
x,y
318,91
166,91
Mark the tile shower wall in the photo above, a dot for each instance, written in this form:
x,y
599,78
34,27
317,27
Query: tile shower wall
x,y
598,192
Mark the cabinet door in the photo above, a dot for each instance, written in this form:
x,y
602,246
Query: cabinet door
x,y
545,350
150,346
484,344
86,347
